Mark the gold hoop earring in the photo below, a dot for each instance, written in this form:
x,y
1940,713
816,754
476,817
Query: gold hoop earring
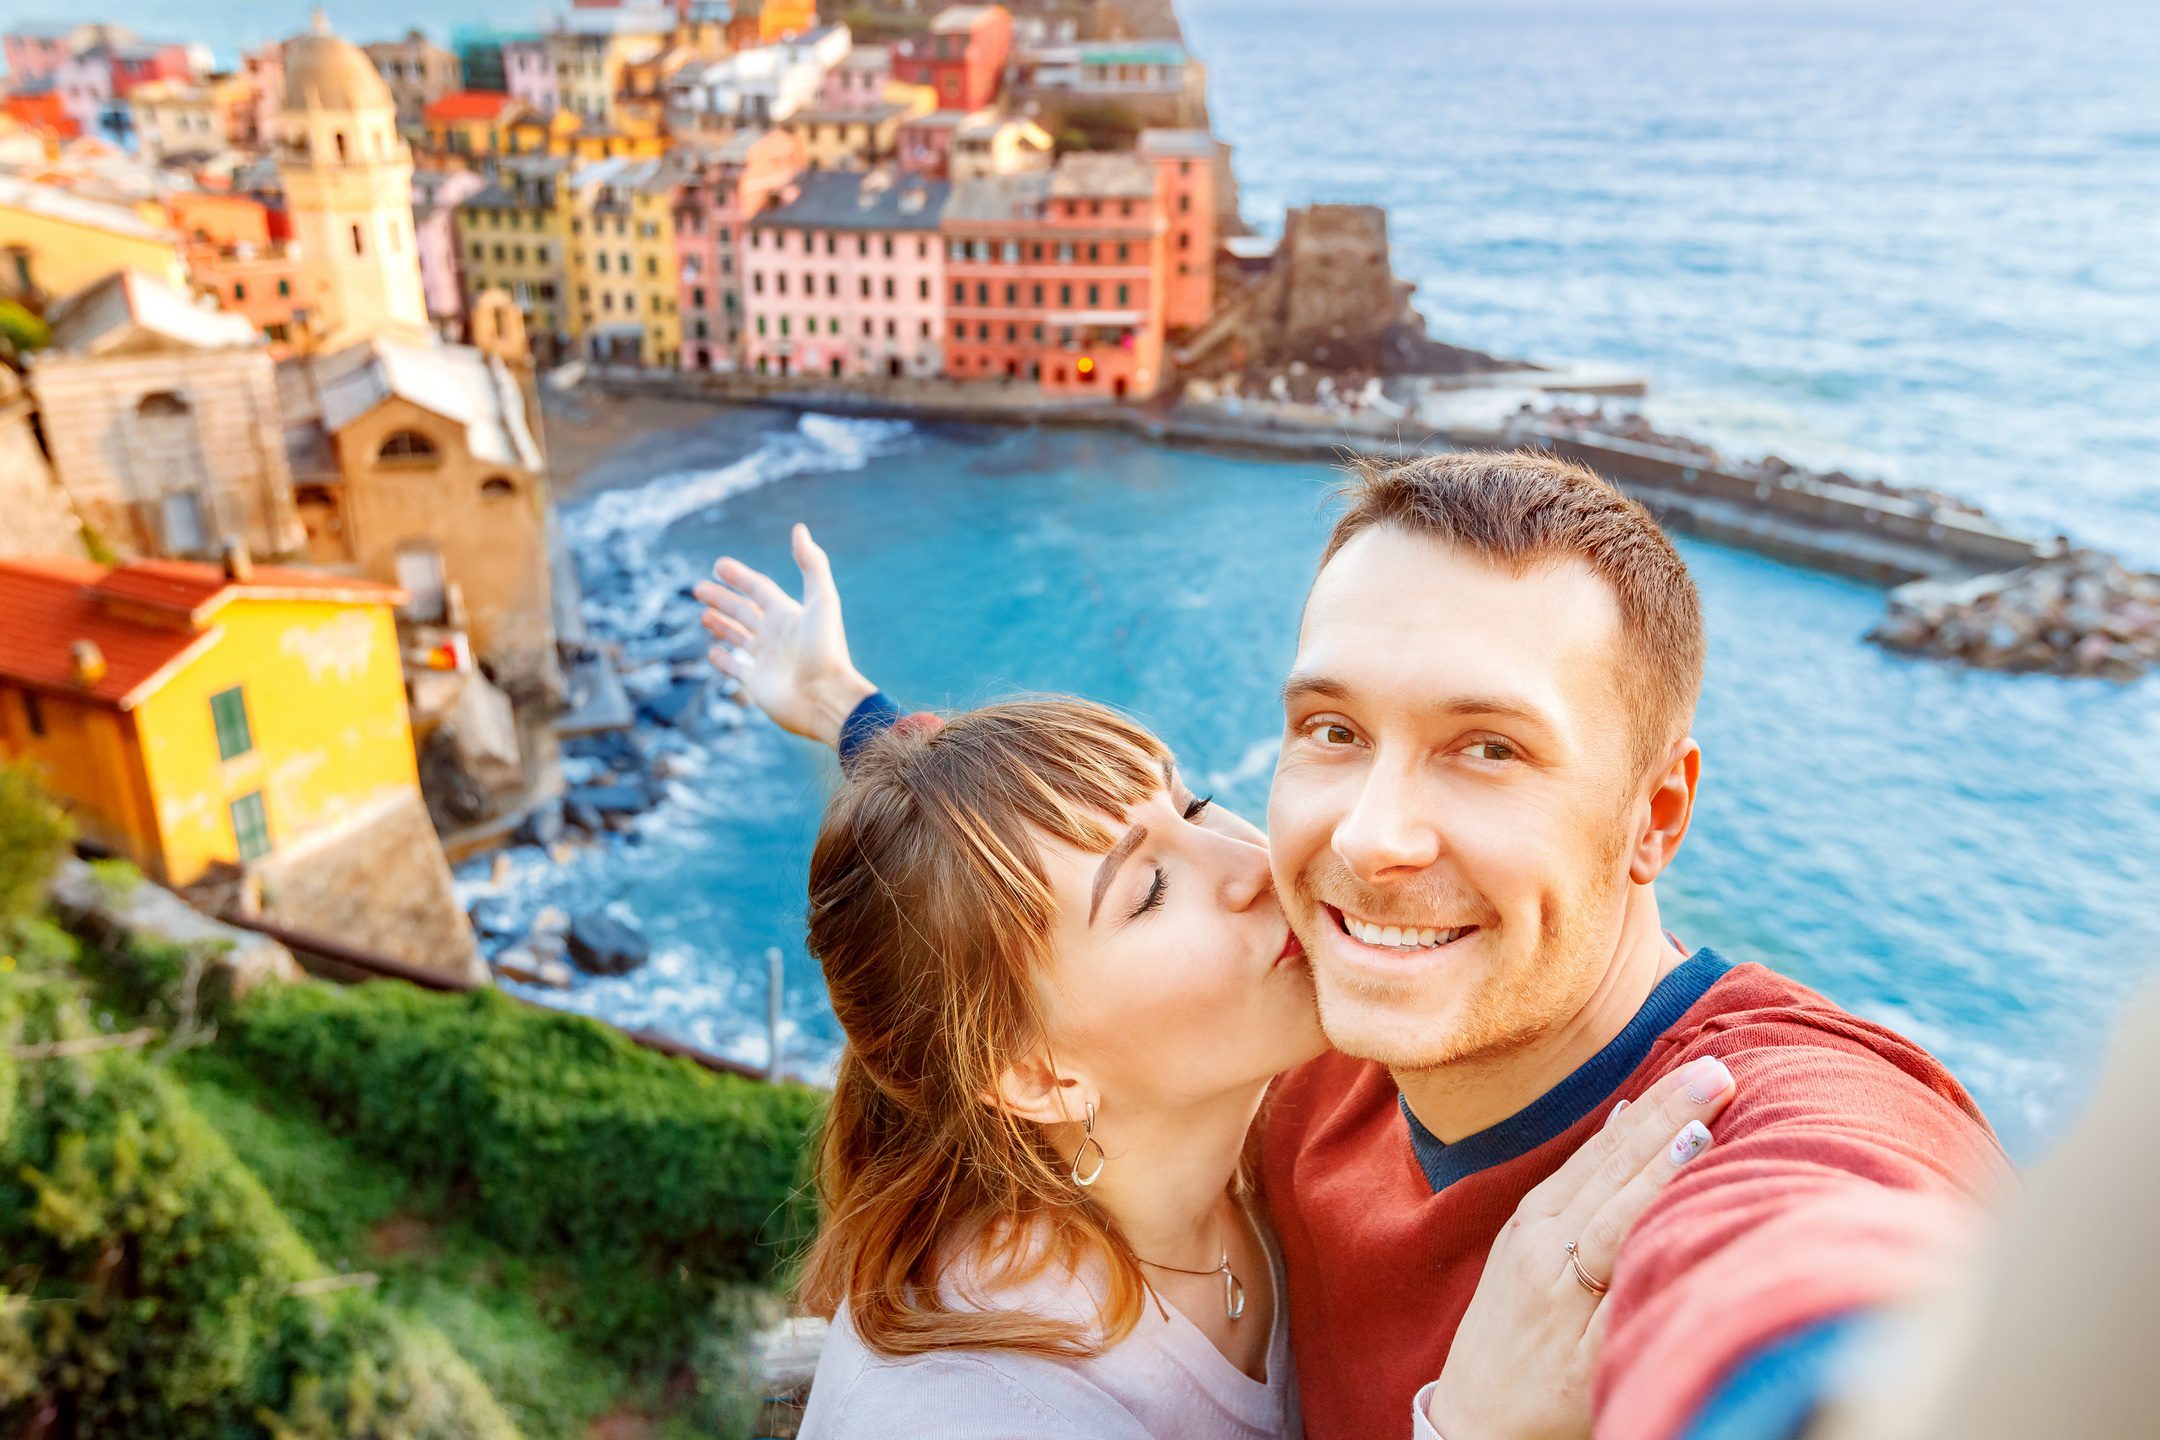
x,y
1101,1159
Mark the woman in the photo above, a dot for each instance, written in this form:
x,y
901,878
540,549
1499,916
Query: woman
x,y
1066,985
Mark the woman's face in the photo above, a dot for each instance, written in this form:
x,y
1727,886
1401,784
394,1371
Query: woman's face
x,y
1174,977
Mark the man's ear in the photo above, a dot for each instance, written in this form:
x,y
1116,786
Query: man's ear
x,y
1671,807
1034,1089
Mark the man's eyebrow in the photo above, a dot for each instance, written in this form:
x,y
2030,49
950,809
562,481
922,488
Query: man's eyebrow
x,y
1134,839
1307,685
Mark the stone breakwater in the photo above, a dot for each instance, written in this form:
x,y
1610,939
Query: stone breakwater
x,y
2078,613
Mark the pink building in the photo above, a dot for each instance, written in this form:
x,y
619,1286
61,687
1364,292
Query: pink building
x,y
435,194
926,142
858,82
36,52
726,188
846,277
94,80
529,75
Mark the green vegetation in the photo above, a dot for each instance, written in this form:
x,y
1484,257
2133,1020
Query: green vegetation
x,y
365,1214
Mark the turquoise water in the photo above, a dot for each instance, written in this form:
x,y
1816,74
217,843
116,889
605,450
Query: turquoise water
x,y
1969,857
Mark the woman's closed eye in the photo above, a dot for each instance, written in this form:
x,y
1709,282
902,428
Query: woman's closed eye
x,y
1197,806
1153,899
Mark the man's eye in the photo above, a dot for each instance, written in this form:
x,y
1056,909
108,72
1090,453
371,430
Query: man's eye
x,y
1492,750
1334,734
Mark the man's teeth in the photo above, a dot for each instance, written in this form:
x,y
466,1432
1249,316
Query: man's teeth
x,y
1397,937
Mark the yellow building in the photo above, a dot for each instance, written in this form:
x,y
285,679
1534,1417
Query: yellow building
x,y
190,715
179,118
592,46
623,265
778,19
471,124
348,190
56,241
514,236
562,133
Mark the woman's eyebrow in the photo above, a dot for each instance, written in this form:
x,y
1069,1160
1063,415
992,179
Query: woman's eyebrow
x,y
1134,839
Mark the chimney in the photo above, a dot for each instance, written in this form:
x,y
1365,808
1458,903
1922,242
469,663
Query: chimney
x,y
87,662
239,565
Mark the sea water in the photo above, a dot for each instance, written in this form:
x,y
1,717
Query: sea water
x,y
1968,857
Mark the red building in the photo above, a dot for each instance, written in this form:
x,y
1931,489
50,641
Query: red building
x,y
1185,163
40,108
964,58
1058,278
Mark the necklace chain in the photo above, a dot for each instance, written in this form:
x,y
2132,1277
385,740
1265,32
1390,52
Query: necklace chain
x,y
1233,1288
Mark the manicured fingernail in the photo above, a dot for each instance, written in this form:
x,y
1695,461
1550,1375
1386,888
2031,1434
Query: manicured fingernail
x,y
1706,1079
1616,1112
1692,1140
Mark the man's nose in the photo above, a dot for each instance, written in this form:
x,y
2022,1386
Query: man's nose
x,y
1390,832
1247,878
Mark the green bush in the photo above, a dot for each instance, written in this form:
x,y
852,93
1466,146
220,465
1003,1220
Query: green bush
x,y
33,834
161,1277
567,1139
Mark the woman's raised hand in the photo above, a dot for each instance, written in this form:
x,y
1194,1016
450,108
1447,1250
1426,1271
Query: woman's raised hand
x,y
1521,1363
789,657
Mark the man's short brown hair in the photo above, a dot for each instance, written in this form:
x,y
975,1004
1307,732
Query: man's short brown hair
x,y
1524,508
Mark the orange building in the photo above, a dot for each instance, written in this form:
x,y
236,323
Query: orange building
x,y
41,109
1057,278
779,19
1185,163
232,256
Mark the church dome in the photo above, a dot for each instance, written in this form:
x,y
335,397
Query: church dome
x,y
323,72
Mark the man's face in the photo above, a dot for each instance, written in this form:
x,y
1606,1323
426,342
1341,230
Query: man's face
x,y
1456,798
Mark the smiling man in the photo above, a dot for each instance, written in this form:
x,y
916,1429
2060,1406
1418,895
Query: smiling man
x,y
1486,766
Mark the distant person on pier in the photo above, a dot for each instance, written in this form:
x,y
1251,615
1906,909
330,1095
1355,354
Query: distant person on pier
x,y
1486,767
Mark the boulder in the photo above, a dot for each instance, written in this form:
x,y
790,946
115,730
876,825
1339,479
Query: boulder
x,y
522,965
543,827
629,798
678,705
491,918
112,906
603,945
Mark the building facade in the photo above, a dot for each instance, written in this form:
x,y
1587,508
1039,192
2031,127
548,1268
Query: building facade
x,y
233,258
163,424
1187,163
755,88
529,75
436,196
623,261
963,59
347,178
720,193
417,71
180,119
513,235
591,46
843,277
55,241
987,145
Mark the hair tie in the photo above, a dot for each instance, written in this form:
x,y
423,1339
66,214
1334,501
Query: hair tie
x,y
921,723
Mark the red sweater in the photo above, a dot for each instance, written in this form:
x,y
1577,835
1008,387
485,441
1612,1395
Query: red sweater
x,y
1844,1143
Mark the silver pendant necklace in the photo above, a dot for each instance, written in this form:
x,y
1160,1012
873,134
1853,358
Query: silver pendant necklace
x,y
1233,1288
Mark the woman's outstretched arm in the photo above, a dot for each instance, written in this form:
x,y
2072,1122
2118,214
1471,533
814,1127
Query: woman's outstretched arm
x,y
789,656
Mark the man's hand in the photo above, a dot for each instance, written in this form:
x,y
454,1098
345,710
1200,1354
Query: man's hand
x,y
790,657
1521,1363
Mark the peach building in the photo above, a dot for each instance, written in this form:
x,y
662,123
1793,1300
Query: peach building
x,y
844,277
1185,165
1056,278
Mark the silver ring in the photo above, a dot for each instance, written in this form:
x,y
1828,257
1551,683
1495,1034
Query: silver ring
x,y
1583,1277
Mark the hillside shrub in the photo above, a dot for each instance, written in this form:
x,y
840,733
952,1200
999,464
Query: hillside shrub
x,y
160,1277
566,1138
33,835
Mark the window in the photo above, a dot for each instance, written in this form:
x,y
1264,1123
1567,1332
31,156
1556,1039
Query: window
x,y
284,287
832,284
862,245
959,292
779,282
888,247
757,282
1123,295
251,828
1094,253
922,289
406,447
1094,295
652,265
760,324
498,487
982,293
359,249
1038,294
982,331
1124,252
33,712
1012,333
1012,294
783,326
865,282
697,297
239,291
228,712
1065,295
959,330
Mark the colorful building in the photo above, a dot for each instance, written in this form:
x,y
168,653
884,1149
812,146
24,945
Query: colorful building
x,y
1186,166
347,179
469,124
162,420
963,60
986,145
590,47
436,196
720,193
529,75
860,139
180,119
1055,277
233,257
417,71
623,261
844,277
513,235
37,106
758,87
784,19
194,715
56,241
858,82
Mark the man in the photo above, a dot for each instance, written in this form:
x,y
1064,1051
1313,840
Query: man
x,y
1486,765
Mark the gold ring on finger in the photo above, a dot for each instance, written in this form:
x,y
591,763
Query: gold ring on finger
x,y
1582,1276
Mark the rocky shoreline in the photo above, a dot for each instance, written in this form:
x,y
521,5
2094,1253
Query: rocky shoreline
x,y
2079,613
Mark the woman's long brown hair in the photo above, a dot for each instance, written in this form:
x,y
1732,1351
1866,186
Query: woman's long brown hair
x,y
931,914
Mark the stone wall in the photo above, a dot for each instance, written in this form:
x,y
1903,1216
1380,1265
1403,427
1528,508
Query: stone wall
x,y
35,517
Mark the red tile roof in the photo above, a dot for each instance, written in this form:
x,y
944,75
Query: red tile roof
x,y
46,605
465,105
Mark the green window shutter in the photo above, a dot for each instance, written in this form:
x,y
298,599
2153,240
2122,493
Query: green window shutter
x,y
228,710
251,828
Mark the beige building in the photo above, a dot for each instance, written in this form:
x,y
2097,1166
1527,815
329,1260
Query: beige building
x,y
591,48
414,463
162,420
348,190
176,119
417,72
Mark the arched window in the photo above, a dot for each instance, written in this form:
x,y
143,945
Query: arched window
x,y
340,137
161,402
407,447
498,487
